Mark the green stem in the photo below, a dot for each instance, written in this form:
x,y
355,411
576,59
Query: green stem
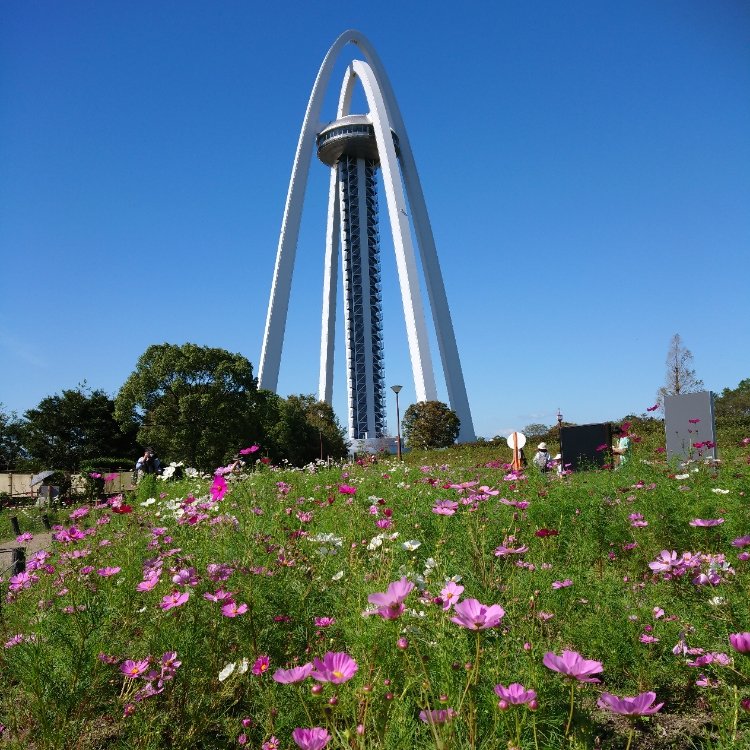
x,y
570,713
630,737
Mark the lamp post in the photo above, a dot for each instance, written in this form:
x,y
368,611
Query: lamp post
x,y
321,416
396,389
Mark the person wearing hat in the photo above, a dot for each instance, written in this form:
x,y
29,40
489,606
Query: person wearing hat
x,y
541,457
558,464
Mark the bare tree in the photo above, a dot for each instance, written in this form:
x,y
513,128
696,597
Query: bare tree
x,y
680,376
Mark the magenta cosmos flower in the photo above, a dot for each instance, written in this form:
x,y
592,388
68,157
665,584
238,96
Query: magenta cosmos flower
x,y
175,599
232,609
437,716
640,705
218,488
572,664
311,739
445,507
248,451
296,674
740,642
390,604
335,667
473,615
707,522
133,669
515,694
108,571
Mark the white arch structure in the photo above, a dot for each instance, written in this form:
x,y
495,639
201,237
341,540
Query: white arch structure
x,y
384,116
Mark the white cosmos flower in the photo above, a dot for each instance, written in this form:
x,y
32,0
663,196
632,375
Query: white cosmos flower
x,y
375,542
411,545
337,576
244,664
682,476
227,671
719,491
148,502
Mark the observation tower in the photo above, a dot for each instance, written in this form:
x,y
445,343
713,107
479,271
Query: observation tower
x,y
355,147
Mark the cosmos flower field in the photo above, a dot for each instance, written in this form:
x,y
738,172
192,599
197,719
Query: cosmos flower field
x,y
442,602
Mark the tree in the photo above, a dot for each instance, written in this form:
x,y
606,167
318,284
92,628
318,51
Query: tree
x,y
11,442
535,430
680,375
192,403
73,426
305,429
430,424
733,405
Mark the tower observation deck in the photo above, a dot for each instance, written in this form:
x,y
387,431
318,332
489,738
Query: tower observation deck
x,y
349,146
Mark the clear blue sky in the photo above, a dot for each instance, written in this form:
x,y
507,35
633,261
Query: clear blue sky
x,y
586,166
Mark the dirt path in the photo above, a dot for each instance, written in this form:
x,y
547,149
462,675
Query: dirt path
x,y
40,541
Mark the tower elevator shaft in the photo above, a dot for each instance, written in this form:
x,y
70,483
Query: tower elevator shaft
x,y
363,304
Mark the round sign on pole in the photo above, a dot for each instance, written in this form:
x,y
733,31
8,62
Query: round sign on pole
x,y
516,440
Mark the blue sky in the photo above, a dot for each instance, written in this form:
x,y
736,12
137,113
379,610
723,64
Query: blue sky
x,y
586,167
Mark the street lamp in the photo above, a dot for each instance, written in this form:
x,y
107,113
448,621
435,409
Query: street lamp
x,y
396,389
321,417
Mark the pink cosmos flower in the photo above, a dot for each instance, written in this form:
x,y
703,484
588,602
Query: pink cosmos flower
x,y
473,615
390,604
437,716
296,674
186,577
324,622
261,665
25,537
502,550
644,638
652,408
272,743
572,664
445,507
148,583
450,594
311,739
134,669
693,421
640,705
248,451
334,667
707,522
232,609
562,584
175,599
742,541
107,572
515,694
740,642
218,488
347,489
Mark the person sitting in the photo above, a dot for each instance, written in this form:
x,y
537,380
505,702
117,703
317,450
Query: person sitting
x,y
148,463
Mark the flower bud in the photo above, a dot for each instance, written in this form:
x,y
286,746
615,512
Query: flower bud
x,y
360,729
402,643
333,700
389,696
503,705
316,689
533,704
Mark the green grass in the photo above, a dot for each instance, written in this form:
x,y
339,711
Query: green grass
x,y
60,691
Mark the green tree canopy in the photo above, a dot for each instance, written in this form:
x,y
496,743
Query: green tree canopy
x,y
305,429
192,403
11,441
733,405
430,424
74,426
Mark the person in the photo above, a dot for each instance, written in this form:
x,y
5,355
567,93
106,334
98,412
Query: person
x,y
558,464
148,463
622,449
541,457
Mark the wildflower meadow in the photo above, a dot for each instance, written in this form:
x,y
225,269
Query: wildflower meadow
x,y
439,602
